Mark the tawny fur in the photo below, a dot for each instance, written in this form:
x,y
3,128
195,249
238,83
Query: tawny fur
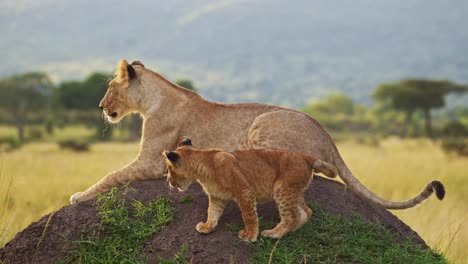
x,y
248,176
170,111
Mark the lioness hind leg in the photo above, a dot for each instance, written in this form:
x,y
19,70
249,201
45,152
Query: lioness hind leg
x,y
287,202
285,129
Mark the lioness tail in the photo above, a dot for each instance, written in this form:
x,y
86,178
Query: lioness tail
x,y
360,190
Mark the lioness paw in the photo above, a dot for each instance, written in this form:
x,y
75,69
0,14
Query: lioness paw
x,y
76,198
247,236
204,228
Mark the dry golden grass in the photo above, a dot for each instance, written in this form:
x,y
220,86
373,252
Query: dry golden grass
x,y
43,177
398,170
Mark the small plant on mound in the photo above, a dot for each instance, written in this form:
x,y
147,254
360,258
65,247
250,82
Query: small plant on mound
x,y
179,258
186,199
122,233
332,239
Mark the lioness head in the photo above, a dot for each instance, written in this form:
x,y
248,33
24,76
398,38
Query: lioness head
x,y
178,165
124,93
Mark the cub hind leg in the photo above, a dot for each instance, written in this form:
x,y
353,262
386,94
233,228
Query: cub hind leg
x,y
288,204
304,213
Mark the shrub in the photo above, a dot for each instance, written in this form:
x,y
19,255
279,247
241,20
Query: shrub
x,y
10,143
49,126
74,145
454,129
34,134
368,140
455,145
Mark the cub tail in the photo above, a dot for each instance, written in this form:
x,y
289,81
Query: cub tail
x,y
325,168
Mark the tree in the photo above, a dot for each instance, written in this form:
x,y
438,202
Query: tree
x,y
187,84
82,95
400,98
23,94
334,104
411,95
458,113
338,112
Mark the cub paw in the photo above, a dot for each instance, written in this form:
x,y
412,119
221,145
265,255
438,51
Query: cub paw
x,y
272,233
204,228
76,197
247,236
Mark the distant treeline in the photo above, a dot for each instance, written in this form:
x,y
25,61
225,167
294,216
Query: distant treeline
x,y
403,108
32,99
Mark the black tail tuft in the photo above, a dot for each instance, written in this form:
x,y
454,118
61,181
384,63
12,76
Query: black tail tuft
x,y
439,189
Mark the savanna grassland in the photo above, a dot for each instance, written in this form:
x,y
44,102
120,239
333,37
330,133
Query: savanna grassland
x,y
39,178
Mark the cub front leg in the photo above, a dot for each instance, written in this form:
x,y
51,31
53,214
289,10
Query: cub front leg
x,y
215,210
137,170
248,206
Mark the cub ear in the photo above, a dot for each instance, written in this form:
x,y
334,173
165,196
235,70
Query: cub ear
x,y
184,141
172,156
131,72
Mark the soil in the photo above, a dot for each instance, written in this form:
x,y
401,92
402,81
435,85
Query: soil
x,y
218,247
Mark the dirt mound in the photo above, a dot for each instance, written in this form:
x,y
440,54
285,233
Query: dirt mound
x,y
218,247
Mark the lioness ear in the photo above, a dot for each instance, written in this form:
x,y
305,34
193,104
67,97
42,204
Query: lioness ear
x,y
137,62
184,141
131,72
172,156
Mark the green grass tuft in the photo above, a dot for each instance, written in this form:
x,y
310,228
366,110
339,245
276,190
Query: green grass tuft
x,y
122,233
179,258
186,199
332,239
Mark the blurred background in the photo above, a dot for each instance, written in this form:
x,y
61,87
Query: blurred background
x,y
388,79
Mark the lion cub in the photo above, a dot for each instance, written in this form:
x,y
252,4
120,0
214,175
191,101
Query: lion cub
x,y
247,176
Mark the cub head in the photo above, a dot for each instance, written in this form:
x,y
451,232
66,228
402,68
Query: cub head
x,y
124,92
178,164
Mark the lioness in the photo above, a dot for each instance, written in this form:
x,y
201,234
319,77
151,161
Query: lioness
x,y
170,111
247,176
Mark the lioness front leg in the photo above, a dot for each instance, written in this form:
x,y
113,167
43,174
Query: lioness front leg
x,y
215,210
137,170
